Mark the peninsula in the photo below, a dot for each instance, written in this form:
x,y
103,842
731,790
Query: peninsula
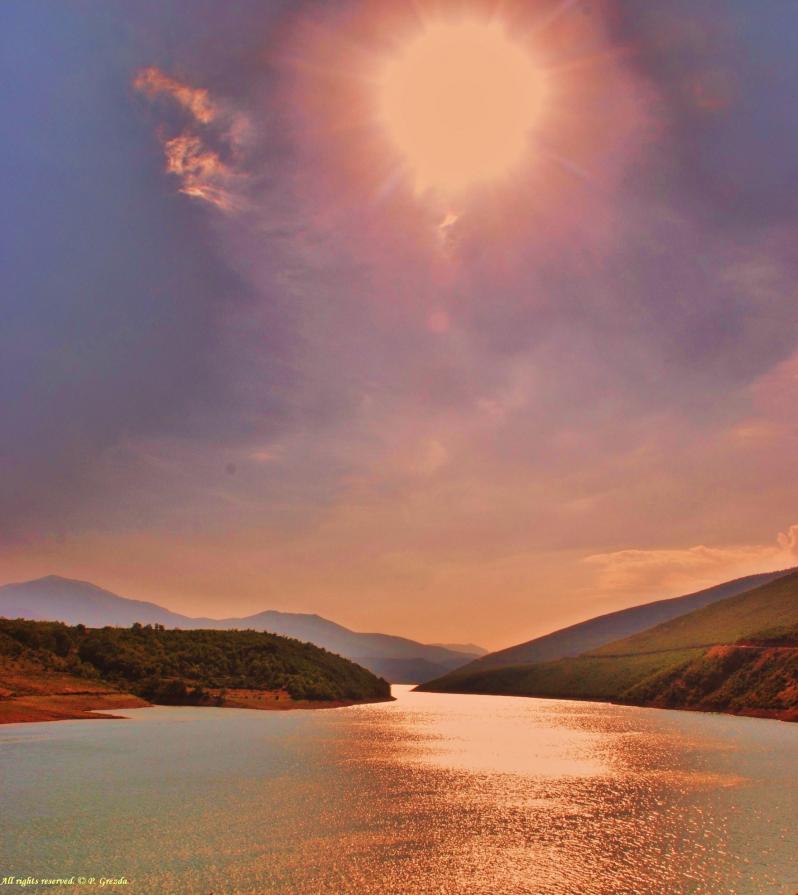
x,y
53,671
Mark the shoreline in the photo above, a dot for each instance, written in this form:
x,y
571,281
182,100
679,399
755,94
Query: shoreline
x,y
66,706
34,708
789,716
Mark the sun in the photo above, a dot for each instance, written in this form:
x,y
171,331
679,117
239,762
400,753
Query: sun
x,y
458,102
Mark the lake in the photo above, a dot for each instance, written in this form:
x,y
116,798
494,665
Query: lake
x,y
433,793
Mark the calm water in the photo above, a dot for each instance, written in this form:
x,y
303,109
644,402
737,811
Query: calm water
x,y
452,795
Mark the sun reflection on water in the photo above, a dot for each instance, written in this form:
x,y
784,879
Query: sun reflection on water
x,y
451,795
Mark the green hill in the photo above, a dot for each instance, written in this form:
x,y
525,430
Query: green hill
x,y
595,632
773,605
580,677
178,666
735,655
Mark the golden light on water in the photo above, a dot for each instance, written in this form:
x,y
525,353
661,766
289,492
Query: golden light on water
x,y
433,793
458,102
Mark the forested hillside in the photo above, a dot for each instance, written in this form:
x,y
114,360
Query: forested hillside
x,y
177,666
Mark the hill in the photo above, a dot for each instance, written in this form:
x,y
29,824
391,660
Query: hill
x,y
197,667
398,659
773,605
738,654
595,632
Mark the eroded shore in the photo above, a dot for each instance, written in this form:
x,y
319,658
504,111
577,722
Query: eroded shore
x,y
88,705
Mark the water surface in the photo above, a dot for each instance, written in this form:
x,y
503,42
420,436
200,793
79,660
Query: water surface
x,y
434,793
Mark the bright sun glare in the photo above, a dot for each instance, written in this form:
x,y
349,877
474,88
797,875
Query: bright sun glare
x,y
458,102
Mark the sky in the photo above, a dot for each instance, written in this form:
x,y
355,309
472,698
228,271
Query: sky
x,y
251,358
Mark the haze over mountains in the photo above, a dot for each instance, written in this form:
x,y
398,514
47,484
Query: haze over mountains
x,y
397,659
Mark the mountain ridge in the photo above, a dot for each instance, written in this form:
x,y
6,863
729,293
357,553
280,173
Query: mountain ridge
x,y
72,601
592,633
738,655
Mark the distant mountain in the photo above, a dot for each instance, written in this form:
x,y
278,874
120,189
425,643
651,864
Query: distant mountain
x,y
595,632
78,602
470,648
398,659
401,671
739,654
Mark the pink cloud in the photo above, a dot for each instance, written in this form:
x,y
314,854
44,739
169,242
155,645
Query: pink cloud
x,y
690,568
788,541
152,82
201,171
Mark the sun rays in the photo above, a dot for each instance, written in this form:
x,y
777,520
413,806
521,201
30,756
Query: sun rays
x,y
458,102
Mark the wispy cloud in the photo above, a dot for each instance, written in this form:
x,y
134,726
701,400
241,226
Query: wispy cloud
x,y
691,568
200,169
201,172
788,541
153,82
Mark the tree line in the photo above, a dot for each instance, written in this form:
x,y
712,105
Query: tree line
x,y
180,666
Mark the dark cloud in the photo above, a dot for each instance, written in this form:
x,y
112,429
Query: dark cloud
x,y
113,287
726,72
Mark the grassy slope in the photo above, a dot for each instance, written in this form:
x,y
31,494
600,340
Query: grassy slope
x,y
581,677
174,666
773,605
673,664
595,632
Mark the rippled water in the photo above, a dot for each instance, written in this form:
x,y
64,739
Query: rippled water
x,y
452,795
